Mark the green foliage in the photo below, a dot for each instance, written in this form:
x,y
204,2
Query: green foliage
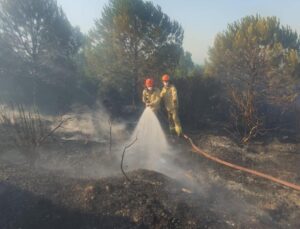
x,y
39,44
131,40
256,50
185,65
257,59
38,31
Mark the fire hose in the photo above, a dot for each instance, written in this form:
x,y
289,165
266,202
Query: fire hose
x,y
237,167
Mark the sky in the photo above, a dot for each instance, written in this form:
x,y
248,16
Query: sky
x,y
201,20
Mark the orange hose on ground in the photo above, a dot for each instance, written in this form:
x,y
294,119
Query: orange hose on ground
x,y
253,172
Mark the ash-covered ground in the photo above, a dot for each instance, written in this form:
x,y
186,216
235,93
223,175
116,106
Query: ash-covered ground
x,y
77,183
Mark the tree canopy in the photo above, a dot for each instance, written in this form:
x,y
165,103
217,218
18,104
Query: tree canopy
x,y
131,40
38,43
257,61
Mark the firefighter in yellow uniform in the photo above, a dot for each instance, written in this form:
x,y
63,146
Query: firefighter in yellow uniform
x,y
169,96
151,95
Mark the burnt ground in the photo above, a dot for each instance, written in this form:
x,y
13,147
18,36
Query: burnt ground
x,y
67,190
279,158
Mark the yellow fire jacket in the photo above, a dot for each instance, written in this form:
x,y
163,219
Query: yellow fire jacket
x,y
169,96
152,98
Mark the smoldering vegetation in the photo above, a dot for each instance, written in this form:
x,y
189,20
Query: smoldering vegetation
x,y
67,143
77,154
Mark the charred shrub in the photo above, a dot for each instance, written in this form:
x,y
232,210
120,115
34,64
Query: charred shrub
x,y
26,129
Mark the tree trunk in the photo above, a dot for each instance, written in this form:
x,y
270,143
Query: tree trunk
x,y
135,75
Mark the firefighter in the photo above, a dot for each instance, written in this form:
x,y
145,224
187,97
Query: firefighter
x,y
151,95
169,96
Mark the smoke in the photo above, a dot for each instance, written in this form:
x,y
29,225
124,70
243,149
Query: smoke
x,y
87,146
84,153
152,151
92,125
90,144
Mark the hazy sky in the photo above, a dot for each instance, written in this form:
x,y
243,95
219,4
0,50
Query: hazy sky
x,y
200,19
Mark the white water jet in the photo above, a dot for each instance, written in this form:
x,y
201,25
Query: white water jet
x,y
151,145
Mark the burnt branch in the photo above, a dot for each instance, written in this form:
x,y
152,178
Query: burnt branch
x,y
59,125
27,129
123,155
110,135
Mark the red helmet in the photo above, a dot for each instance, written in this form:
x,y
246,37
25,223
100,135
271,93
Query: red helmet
x,y
165,77
149,82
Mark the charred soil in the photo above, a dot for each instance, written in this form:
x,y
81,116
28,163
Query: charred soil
x,y
193,193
